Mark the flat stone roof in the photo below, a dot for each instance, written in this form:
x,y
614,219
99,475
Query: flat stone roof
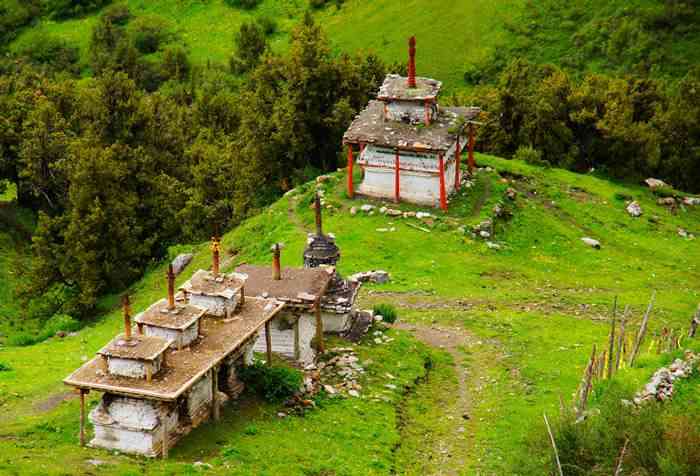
x,y
370,127
180,318
297,286
182,368
139,347
395,88
205,283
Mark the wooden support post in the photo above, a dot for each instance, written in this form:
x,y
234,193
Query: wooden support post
x,y
443,195
397,177
427,112
472,163
164,435
268,343
458,162
216,410
642,330
611,341
319,327
82,416
149,371
351,188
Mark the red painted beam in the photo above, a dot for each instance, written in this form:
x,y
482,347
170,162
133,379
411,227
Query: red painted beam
x,y
397,178
351,188
458,162
443,195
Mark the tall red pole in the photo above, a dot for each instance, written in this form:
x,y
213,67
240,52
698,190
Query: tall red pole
x,y
397,177
472,163
443,195
458,162
412,62
351,188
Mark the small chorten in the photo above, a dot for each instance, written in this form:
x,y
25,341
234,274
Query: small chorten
x,y
321,249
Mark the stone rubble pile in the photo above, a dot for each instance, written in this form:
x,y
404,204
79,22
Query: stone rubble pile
x,y
484,229
346,368
593,243
653,183
660,387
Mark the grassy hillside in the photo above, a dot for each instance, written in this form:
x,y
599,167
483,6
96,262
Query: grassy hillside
x,y
523,319
450,33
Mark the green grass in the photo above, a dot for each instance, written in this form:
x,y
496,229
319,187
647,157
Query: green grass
x,y
533,309
449,33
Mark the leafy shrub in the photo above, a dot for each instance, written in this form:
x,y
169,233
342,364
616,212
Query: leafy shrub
x,y
60,9
251,44
318,4
267,24
387,311
530,155
245,4
5,367
149,33
176,64
42,48
15,14
271,383
118,14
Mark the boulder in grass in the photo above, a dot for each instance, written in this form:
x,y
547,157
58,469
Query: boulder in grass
x,y
593,243
634,209
654,184
691,201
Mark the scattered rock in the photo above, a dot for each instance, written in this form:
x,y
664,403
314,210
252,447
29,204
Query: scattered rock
x,y
201,465
591,242
353,211
422,215
653,183
511,193
683,233
493,246
375,276
660,386
353,393
330,389
60,334
634,209
367,208
691,201
667,201
281,414
181,261
95,462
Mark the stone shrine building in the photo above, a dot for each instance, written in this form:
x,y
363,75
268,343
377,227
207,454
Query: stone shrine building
x,y
409,146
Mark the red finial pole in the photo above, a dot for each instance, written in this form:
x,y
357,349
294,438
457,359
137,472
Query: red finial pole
x,y
412,62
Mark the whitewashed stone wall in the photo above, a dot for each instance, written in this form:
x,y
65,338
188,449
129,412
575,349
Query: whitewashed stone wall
x,y
415,112
282,333
178,338
335,323
415,187
131,425
307,331
200,395
132,368
215,305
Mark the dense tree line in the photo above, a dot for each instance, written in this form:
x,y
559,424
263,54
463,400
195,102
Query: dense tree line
x,y
118,170
627,127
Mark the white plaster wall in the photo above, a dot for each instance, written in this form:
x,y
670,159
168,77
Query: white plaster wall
x,y
215,305
416,111
335,323
130,425
183,338
200,394
415,187
123,439
307,331
131,368
282,339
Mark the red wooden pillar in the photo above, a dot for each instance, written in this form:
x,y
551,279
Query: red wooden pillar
x,y
472,164
443,195
351,188
397,177
458,162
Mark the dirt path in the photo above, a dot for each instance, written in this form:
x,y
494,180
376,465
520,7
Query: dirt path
x,y
452,448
